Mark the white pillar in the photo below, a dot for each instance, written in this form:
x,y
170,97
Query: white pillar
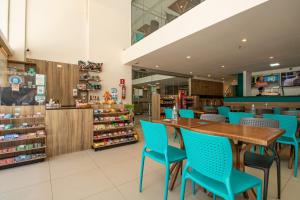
x,y
247,76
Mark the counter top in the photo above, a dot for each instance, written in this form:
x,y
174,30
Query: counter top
x,y
66,108
263,99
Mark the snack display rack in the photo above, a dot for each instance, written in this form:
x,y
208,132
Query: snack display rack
x,y
112,128
22,139
89,81
166,102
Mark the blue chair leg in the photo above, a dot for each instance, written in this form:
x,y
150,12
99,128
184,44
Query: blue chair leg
x,y
167,182
259,192
142,172
262,150
193,187
183,184
296,160
214,197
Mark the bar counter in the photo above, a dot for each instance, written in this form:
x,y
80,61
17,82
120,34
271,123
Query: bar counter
x,y
68,130
263,101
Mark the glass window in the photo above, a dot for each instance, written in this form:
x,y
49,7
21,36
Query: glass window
x,y
4,6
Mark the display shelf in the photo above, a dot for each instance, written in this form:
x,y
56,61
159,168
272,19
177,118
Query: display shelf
x,y
22,129
21,118
23,151
115,144
108,135
91,80
114,136
111,113
113,121
115,128
22,145
23,139
90,70
23,162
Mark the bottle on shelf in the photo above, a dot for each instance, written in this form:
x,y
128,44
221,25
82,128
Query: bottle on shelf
x,y
253,109
174,113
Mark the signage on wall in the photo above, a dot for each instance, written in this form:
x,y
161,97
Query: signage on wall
x,y
15,80
40,79
123,88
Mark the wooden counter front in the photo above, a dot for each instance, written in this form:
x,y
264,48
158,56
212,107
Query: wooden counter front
x,y
69,130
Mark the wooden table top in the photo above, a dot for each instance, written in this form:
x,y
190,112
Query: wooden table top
x,y
184,122
248,134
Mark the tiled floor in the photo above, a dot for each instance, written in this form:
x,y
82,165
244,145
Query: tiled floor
x,y
108,175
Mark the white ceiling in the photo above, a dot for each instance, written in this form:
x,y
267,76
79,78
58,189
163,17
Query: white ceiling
x,y
272,29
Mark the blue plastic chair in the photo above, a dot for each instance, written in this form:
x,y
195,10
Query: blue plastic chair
x,y
224,110
289,124
209,164
169,115
186,113
156,147
235,117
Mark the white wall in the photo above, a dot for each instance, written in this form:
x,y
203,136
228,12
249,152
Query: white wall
x,y
17,24
198,18
57,30
109,34
4,5
72,30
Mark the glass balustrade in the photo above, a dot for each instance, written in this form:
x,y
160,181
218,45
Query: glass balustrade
x,y
148,16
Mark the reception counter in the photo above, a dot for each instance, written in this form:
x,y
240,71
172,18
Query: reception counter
x,y
263,101
69,130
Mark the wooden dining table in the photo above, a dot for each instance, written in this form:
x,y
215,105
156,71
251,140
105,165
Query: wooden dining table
x,y
241,136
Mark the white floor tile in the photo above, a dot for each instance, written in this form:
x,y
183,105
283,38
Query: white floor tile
x,y
80,185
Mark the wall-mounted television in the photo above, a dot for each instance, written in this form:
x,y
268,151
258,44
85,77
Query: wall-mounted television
x,y
290,79
271,79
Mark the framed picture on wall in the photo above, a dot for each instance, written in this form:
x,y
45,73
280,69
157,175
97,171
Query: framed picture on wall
x,y
290,79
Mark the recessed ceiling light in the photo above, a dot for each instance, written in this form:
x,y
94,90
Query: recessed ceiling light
x,y
271,57
222,66
244,40
274,64
191,72
157,66
188,57
208,75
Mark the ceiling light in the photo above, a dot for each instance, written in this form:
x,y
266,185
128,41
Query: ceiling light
x,y
188,57
157,66
208,75
271,57
191,72
244,40
222,66
274,64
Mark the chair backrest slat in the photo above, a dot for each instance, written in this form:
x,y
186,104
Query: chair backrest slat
x,y
155,136
213,117
260,122
186,113
286,122
235,117
208,155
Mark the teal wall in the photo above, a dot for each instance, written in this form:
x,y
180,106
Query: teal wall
x,y
263,99
239,88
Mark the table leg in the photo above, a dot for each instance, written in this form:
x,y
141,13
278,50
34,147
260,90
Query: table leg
x,y
176,168
292,155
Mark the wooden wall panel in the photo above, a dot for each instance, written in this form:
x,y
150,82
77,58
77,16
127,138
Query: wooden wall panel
x,y
69,130
202,87
61,79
